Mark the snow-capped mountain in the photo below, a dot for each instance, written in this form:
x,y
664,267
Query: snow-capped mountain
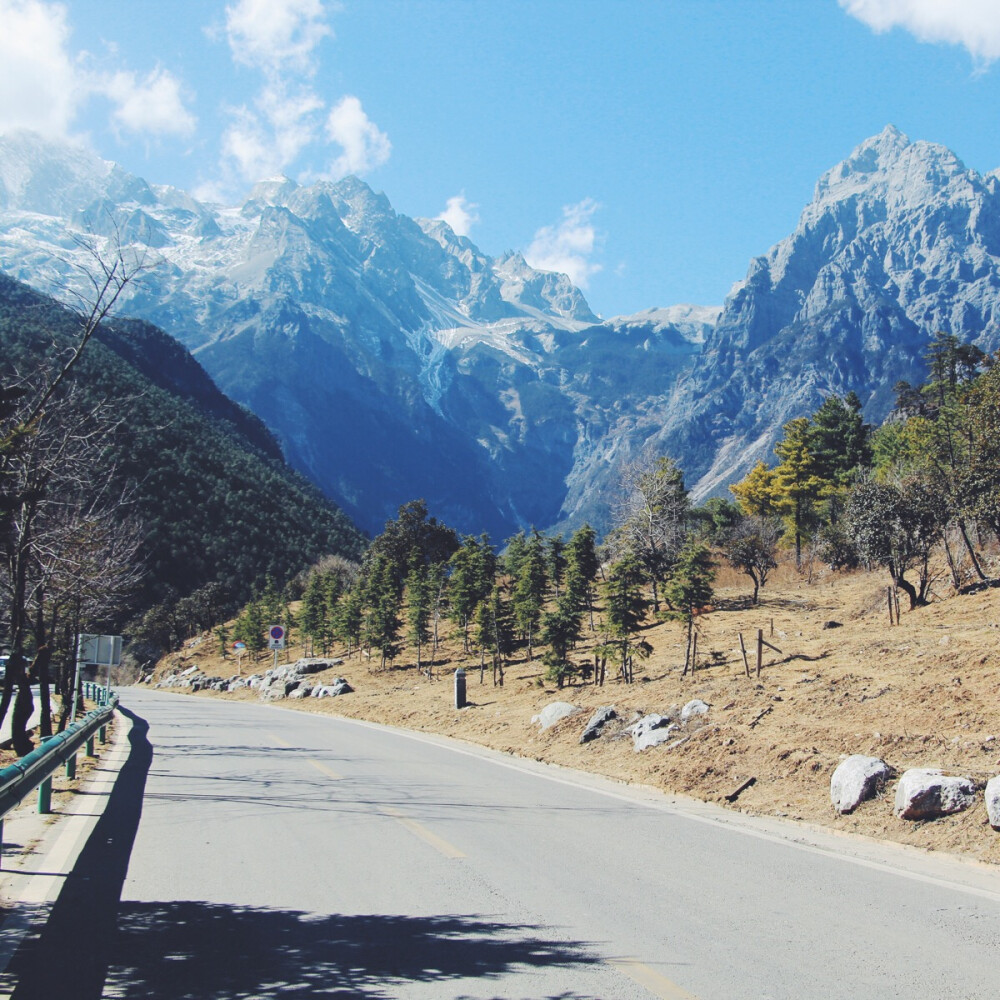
x,y
393,359
390,356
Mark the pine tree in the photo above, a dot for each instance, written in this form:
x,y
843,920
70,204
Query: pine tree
x,y
382,622
529,590
473,571
582,567
249,627
625,608
652,520
560,631
797,485
555,562
418,605
755,492
313,612
497,630
690,587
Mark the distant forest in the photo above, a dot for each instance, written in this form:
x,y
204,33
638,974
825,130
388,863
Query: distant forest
x,y
133,496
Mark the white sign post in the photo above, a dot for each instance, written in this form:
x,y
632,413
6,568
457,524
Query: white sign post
x,y
276,640
101,651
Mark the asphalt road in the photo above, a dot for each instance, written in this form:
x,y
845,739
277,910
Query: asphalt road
x,y
253,852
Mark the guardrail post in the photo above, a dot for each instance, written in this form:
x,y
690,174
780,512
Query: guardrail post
x,y
45,796
1,843
103,735
71,766
45,788
90,746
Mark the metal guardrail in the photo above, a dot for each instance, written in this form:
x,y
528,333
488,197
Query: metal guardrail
x,y
35,769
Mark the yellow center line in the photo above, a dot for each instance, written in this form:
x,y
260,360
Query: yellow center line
x,y
438,843
651,980
319,765
323,769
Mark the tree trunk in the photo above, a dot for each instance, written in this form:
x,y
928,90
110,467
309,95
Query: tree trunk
x,y
956,579
907,588
23,707
972,552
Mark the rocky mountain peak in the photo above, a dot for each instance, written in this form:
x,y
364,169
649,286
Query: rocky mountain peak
x,y
898,174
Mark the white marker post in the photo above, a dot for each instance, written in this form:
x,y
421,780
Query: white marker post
x,y
276,640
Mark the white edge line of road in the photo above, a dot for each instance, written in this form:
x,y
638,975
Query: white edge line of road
x,y
948,872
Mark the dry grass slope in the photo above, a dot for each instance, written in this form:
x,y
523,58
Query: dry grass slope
x,y
923,693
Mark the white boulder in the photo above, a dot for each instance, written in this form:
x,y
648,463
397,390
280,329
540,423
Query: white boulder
x,y
555,712
654,737
926,793
693,708
993,802
857,779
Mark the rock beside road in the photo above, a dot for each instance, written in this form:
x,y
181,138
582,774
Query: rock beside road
x,y
993,802
597,722
857,779
553,713
926,793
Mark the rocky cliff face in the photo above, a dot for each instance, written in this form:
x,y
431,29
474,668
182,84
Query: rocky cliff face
x,y
900,240
393,359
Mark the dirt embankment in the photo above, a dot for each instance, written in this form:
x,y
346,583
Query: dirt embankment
x,y
923,693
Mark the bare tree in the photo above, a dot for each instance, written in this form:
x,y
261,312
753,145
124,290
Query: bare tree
x,y
47,446
651,519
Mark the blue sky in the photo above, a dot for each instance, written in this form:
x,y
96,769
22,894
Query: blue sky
x,y
648,148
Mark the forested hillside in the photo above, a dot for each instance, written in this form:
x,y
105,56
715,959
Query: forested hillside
x,y
219,509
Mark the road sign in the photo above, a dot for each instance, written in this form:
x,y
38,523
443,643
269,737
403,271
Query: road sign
x,y
101,650
277,637
239,646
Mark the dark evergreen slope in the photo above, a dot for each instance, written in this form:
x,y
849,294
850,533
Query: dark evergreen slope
x,y
221,509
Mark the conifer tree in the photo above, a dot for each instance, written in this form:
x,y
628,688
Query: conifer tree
x,y
652,519
418,605
582,567
249,627
555,562
382,622
796,483
473,571
690,587
755,492
496,631
313,612
349,616
529,590
625,608
560,631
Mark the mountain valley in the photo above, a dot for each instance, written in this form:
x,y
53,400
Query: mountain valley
x,y
393,359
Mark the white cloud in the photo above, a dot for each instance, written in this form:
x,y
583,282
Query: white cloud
x,y
44,85
567,247
364,145
975,24
460,214
154,105
266,139
276,35
40,87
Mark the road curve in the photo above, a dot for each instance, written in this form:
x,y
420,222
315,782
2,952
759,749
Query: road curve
x,y
255,852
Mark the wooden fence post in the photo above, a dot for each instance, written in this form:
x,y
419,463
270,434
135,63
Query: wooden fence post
x,y
743,650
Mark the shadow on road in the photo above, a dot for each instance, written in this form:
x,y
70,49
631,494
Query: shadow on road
x,y
71,955
203,950
94,945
